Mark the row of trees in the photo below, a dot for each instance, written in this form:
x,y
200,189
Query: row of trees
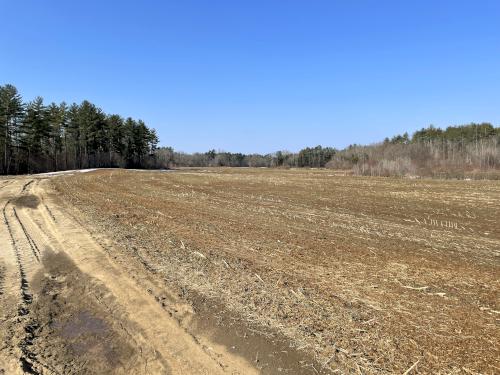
x,y
316,157
457,151
35,137
454,152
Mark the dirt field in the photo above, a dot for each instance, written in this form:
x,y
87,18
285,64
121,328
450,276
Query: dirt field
x,y
368,275
250,270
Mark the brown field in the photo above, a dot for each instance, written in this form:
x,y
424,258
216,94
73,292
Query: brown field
x,y
71,302
366,275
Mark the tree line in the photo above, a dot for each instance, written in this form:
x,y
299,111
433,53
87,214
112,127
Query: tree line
x,y
456,151
35,137
316,157
471,150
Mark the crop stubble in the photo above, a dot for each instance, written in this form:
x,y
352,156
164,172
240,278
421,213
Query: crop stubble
x,y
367,274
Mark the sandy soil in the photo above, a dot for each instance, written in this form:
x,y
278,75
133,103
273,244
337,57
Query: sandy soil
x,y
67,307
366,275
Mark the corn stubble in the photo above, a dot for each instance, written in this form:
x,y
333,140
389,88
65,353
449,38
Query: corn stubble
x,y
369,275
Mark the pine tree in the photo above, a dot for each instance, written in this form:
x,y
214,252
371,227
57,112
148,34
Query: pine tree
x,y
11,113
115,137
36,138
35,134
57,118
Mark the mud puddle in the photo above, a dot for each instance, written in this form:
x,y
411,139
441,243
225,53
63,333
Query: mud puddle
x,y
29,201
74,322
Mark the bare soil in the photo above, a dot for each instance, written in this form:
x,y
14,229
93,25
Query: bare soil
x,y
337,273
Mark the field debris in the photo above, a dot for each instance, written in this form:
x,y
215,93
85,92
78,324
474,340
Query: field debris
x,y
412,367
197,253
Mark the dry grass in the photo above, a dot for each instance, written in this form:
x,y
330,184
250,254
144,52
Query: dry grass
x,y
372,275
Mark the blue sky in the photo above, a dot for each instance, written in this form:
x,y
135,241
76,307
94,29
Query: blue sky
x,y
259,76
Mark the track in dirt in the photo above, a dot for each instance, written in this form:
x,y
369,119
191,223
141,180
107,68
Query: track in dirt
x,y
2,281
28,359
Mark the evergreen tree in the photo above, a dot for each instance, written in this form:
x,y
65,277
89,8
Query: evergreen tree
x,y
57,117
35,134
11,113
37,138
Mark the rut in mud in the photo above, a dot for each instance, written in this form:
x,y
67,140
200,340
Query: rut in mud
x,y
2,270
27,360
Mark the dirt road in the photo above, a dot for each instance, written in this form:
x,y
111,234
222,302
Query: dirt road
x,y
66,306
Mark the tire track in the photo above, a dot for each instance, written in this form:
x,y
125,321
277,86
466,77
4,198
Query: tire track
x,y
35,218
35,226
26,258
39,194
24,286
51,215
31,242
45,220
28,359
2,280
26,186
6,183
26,300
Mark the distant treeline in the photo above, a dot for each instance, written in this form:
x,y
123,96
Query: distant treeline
x,y
471,150
35,137
457,151
308,157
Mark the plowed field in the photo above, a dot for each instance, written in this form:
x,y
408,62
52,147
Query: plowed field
x,y
341,274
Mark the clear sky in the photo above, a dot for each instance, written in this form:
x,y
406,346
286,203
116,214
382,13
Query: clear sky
x,y
261,75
